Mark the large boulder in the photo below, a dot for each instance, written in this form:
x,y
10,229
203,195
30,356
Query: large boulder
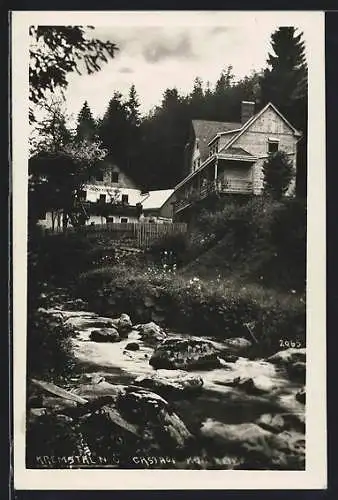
x,y
124,325
81,322
105,335
185,354
238,345
151,333
285,450
171,381
133,422
272,423
132,346
288,356
154,416
293,361
297,371
94,391
228,357
233,436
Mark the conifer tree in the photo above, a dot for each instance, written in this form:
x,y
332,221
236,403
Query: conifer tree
x,y
86,127
133,107
285,83
285,79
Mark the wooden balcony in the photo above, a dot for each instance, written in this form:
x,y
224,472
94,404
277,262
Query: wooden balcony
x,y
228,186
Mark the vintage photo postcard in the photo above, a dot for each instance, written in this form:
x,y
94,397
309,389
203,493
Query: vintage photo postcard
x,y
169,250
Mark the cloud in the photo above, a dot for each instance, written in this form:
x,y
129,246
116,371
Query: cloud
x,y
179,47
125,69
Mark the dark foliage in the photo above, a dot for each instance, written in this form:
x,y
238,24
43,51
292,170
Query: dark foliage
x,y
170,250
285,83
56,259
278,173
56,51
263,240
86,128
48,347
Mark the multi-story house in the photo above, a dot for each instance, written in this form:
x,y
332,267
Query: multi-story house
x,y
227,158
112,196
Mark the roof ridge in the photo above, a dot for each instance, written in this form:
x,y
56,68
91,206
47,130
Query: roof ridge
x,y
214,121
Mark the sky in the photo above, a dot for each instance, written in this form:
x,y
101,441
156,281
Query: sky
x,y
160,50
158,57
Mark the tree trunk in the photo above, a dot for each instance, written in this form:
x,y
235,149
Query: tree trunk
x,y
64,220
53,220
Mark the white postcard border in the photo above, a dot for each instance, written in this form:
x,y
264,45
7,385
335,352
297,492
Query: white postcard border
x,y
315,475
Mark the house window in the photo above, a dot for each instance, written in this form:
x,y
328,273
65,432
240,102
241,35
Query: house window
x,y
115,177
124,199
124,220
82,195
102,198
99,176
273,146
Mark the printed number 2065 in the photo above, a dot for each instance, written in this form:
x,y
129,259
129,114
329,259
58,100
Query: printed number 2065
x,y
290,343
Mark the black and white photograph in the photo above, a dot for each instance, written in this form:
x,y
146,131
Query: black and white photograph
x,y
169,306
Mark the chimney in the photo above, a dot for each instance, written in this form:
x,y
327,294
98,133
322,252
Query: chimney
x,y
247,111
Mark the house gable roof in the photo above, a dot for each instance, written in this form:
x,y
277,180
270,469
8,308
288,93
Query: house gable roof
x,y
254,118
246,125
205,130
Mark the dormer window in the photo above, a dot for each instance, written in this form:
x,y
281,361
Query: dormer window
x,y
273,146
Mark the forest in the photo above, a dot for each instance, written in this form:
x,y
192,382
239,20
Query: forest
x,y
151,148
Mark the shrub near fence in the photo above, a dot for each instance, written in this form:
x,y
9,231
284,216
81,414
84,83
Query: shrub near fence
x,y
143,234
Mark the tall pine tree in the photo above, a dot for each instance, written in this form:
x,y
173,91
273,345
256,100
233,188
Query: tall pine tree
x,y
284,83
285,79
133,107
113,130
86,128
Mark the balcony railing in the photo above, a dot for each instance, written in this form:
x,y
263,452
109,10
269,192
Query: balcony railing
x,y
227,186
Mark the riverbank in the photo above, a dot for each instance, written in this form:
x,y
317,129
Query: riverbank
x,y
247,412
221,308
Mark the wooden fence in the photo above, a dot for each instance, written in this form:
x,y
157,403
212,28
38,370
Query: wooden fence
x,y
142,233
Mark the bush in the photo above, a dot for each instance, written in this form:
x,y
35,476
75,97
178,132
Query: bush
x,y
170,250
195,306
278,173
48,347
263,240
58,258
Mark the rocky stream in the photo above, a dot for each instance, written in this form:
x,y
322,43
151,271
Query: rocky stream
x,y
143,397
